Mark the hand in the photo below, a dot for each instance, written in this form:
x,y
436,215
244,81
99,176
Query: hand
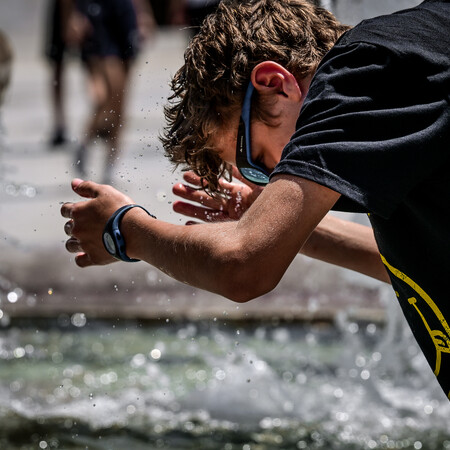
x,y
77,29
237,200
88,219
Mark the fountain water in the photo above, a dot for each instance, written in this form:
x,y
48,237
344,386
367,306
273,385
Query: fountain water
x,y
76,383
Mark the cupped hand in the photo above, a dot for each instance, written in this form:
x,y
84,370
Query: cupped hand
x,y
87,220
237,198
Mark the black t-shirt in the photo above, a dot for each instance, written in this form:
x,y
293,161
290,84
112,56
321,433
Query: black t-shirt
x,y
375,128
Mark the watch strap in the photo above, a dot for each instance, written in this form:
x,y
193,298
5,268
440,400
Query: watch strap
x,y
112,229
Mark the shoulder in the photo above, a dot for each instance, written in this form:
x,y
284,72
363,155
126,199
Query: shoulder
x,y
421,30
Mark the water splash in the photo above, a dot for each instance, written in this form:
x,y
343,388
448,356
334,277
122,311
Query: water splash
x,y
201,385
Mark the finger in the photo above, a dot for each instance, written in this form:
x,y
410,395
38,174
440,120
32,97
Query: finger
x,y
73,245
195,180
86,189
194,195
188,209
66,210
83,260
68,227
76,182
191,178
235,188
229,186
198,212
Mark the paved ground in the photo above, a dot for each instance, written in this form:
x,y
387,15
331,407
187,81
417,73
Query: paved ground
x,y
35,180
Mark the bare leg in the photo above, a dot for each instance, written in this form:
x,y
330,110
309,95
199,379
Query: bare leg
x,y
117,72
57,91
108,79
98,92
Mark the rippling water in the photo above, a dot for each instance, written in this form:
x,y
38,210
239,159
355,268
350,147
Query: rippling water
x,y
217,385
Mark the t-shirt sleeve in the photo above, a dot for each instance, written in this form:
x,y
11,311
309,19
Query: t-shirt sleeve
x,y
367,127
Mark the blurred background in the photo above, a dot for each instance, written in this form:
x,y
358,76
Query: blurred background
x,y
35,173
124,356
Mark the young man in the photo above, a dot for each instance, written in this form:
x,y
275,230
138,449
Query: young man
x,y
372,136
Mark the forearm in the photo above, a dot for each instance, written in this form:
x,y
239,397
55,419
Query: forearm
x,y
224,258
240,260
346,244
195,255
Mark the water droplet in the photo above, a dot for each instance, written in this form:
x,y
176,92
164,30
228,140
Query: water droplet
x,y
131,409
19,352
376,356
155,353
161,196
138,360
220,374
360,361
14,295
365,374
78,320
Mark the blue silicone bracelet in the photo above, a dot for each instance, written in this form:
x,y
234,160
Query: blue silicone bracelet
x,y
112,233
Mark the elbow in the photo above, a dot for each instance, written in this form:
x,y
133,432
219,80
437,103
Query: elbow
x,y
243,281
244,293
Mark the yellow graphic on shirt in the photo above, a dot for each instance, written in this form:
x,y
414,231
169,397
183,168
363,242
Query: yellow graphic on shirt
x,y
441,339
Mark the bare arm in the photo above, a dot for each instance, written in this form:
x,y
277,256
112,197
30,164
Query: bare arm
x,y
334,241
346,244
240,260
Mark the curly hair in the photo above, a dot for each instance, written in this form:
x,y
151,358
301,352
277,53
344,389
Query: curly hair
x,y
217,67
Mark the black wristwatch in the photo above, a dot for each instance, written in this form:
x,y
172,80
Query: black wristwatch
x,y
112,237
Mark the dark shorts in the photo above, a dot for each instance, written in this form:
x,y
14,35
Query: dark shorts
x,y
114,29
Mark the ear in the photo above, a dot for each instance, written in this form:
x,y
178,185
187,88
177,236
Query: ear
x,y
269,77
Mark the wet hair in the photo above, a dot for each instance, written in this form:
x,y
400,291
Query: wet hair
x,y
217,67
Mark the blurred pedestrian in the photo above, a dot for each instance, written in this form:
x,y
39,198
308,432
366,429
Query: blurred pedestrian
x,y
6,57
190,13
108,34
55,51
146,19
197,10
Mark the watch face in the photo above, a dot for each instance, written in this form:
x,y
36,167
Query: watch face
x,y
109,243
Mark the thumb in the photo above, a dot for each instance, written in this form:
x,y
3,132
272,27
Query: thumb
x,y
83,260
87,189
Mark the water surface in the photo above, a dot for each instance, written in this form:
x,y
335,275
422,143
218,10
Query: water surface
x,y
78,384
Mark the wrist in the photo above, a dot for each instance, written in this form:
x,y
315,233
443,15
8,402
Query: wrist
x,y
118,235
133,231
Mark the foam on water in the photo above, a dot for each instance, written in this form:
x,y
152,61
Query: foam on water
x,y
211,385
